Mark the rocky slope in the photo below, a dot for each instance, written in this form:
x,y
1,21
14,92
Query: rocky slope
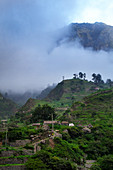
x,y
98,36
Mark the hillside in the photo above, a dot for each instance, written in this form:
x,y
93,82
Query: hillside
x,y
71,90
45,92
98,36
97,106
7,107
88,143
63,95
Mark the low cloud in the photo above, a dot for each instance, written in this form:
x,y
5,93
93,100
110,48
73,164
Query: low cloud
x,y
29,58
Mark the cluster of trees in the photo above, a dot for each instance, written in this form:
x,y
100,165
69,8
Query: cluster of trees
x,y
80,75
63,156
44,112
97,78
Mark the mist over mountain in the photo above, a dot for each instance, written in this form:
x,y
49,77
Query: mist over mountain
x,y
46,91
20,98
97,36
28,34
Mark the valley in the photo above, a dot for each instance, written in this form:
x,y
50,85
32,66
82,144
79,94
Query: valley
x,y
70,128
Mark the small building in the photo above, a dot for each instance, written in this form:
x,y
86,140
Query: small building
x,y
4,122
71,124
37,125
48,122
65,123
97,88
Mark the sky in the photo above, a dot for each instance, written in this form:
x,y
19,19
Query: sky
x,y
27,32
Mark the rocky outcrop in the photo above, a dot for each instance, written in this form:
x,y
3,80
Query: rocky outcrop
x,y
98,36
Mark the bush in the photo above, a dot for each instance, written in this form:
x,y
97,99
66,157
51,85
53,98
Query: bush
x,y
95,167
35,164
106,162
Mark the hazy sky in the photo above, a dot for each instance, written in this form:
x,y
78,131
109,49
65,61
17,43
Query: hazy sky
x,y
27,30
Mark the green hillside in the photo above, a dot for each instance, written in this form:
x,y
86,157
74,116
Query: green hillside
x,y
7,107
62,96
73,90
65,93
90,139
97,106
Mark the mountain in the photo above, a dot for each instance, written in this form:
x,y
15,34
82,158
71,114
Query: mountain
x,y
21,98
45,92
7,107
98,36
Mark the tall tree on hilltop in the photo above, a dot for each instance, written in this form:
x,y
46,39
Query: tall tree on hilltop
x,y
75,76
81,75
109,82
97,78
84,75
94,77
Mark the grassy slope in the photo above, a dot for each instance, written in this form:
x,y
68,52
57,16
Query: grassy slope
x,y
64,94
96,106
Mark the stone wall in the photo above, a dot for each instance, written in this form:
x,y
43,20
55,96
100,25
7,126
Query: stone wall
x,y
19,167
16,153
18,143
13,160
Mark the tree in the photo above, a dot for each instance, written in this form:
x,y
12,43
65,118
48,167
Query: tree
x,y
75,76
94,77
81,75
36,164
97,78
109,82
106,162
84,75
43,113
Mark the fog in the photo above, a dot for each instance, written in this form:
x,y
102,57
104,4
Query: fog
x,y
29,57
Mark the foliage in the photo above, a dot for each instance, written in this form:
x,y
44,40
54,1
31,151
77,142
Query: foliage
x,y
47,159
35,164
44,112
95,167
106,162
20,133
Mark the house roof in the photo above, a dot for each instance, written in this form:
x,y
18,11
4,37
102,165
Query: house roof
x,y
36,124
50,122
64,122
4,120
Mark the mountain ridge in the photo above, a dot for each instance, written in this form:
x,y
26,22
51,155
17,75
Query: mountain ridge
x,y
97,36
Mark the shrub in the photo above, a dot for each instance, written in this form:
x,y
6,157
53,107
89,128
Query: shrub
x,y
35,164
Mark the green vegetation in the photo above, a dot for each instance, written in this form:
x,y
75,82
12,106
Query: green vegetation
x,y
61,157
44,112
11,165
91,138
